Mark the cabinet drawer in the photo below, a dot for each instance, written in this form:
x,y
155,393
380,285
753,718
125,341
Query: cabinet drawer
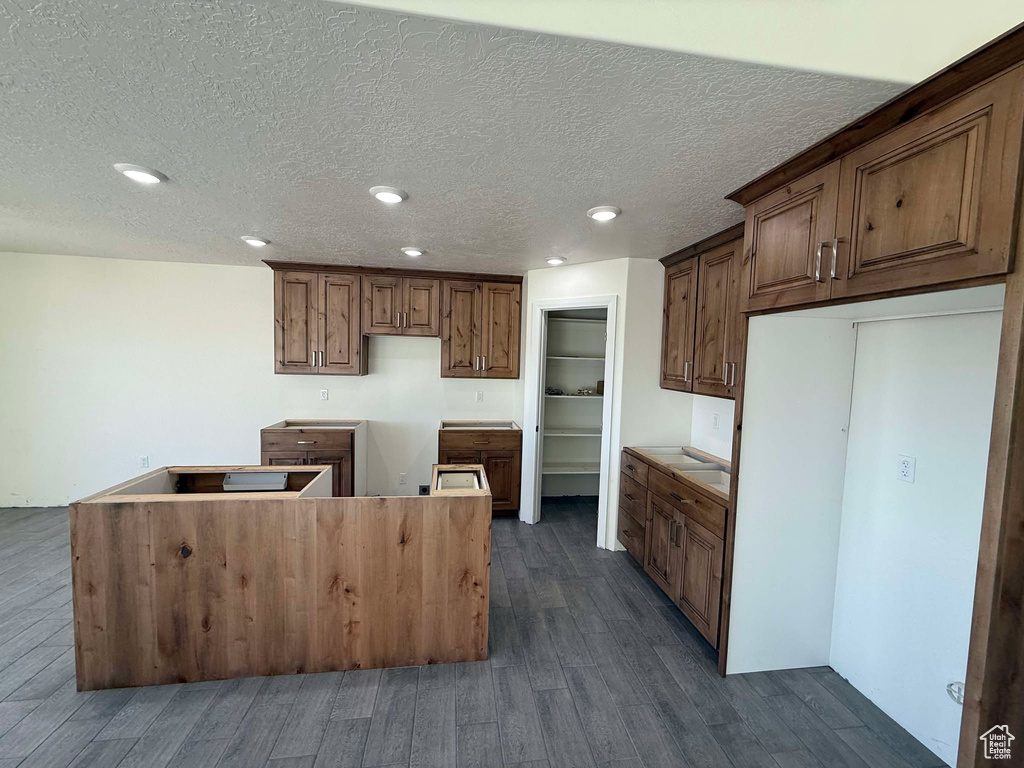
x,y
634,468
689,502
483,440
633,498
305,440
631,536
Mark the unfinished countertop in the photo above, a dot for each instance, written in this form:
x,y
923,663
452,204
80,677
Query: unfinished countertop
x,y
707,472
477,425
300,424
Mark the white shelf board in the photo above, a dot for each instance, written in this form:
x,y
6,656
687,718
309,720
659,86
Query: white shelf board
x,y
572,468
572,432
576,320
577,397
574,357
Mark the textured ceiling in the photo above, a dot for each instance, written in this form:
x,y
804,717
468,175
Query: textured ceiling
x,y
275,118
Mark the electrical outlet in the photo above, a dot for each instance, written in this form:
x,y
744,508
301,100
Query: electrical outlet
x,y
144,462
479,396
716,421
323,394
424,490
402,477
907,468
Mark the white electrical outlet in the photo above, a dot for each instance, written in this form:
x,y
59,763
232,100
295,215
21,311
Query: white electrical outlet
x,y
716,421
323,394
402,478
144,461
907,468
479,396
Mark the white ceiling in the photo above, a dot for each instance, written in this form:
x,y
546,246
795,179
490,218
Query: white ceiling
x,y
274,118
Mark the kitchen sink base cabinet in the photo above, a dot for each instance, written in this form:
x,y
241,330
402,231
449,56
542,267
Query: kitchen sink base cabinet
x,y
338,443
497,445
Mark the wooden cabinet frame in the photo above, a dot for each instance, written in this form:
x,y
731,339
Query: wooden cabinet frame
x,y
481,324
316,324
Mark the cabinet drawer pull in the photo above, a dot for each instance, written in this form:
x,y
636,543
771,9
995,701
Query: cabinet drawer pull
x,y
481,442
680,499
306,442
628,497
631,467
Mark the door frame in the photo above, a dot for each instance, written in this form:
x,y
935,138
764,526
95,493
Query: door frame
x,y
533,409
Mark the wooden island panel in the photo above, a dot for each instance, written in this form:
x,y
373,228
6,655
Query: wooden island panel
x,y
206,590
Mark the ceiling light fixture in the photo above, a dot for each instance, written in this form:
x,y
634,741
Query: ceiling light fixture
x,y
556,261
140,174
603,212
389,195
414,252
255,242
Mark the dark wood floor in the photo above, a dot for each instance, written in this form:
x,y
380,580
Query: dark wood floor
x,y
590,665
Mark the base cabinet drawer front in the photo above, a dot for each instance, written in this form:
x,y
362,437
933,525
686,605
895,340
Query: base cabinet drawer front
x,y
688,501
482,440
631,535
305,440
700,581
633,498
934,200
661,550
634,468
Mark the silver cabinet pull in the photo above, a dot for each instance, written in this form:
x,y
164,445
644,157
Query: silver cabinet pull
x,y
817,263
405,319
686,372
306,442
476,363
483,363
835,258
321,358
629,497
732,382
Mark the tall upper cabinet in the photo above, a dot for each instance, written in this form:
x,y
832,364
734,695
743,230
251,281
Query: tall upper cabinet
x,y
931,201
700,328
480,334
316,323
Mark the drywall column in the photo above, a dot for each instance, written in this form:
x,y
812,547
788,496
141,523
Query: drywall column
x,y
799,375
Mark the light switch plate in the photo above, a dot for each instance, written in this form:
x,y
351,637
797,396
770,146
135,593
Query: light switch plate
x,y
144,462
479,396
323,394
716,421
907,468
402,478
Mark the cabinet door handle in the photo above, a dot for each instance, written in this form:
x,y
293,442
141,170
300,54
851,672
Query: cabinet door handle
x,y
306,442
817,263
321,358
835,258
405,319
483,363
686,372
671,531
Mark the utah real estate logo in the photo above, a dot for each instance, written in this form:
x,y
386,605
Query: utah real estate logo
x,y
997,742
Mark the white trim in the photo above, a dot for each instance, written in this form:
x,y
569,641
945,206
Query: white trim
x,y
533,408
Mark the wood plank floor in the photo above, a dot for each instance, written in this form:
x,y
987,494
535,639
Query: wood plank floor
x,y
590,665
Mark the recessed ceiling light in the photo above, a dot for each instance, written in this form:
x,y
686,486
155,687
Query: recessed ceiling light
x,y
140,174
389,195
603,212
412,251
255,242
556,261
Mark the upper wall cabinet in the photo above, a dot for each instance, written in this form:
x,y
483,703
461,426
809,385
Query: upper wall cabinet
x,y
928,202
701,321
480,326
401,306
316,323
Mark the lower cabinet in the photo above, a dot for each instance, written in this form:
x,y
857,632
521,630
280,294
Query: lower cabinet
x,y
340,461
661,554
500,452
699,595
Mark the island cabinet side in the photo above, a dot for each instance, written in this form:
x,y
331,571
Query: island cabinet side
x,y
184,591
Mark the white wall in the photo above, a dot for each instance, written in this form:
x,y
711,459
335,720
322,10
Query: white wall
x,y
704,435
105,360
908,553
799,374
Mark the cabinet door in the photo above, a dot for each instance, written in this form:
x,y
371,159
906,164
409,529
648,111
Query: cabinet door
x,y
787,252
500,331
460,328
382,305
661,557
502,468
700,584
341,462
295,322
282,458
450,456
933,201
341,342
422,307
715,341
677,331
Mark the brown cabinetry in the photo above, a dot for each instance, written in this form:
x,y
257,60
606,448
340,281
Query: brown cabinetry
x,y
700,330
699,595
931,201
661,556
298,443
401,306
498,448
316,324
480,329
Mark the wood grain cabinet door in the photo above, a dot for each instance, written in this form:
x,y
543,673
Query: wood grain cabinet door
x,y
421,302
502,469
460,328
715,342
786,246
282,458
340,340
341,463
934,200
700,582
382,305
296,326
452,456
661,553
500,331
678,322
